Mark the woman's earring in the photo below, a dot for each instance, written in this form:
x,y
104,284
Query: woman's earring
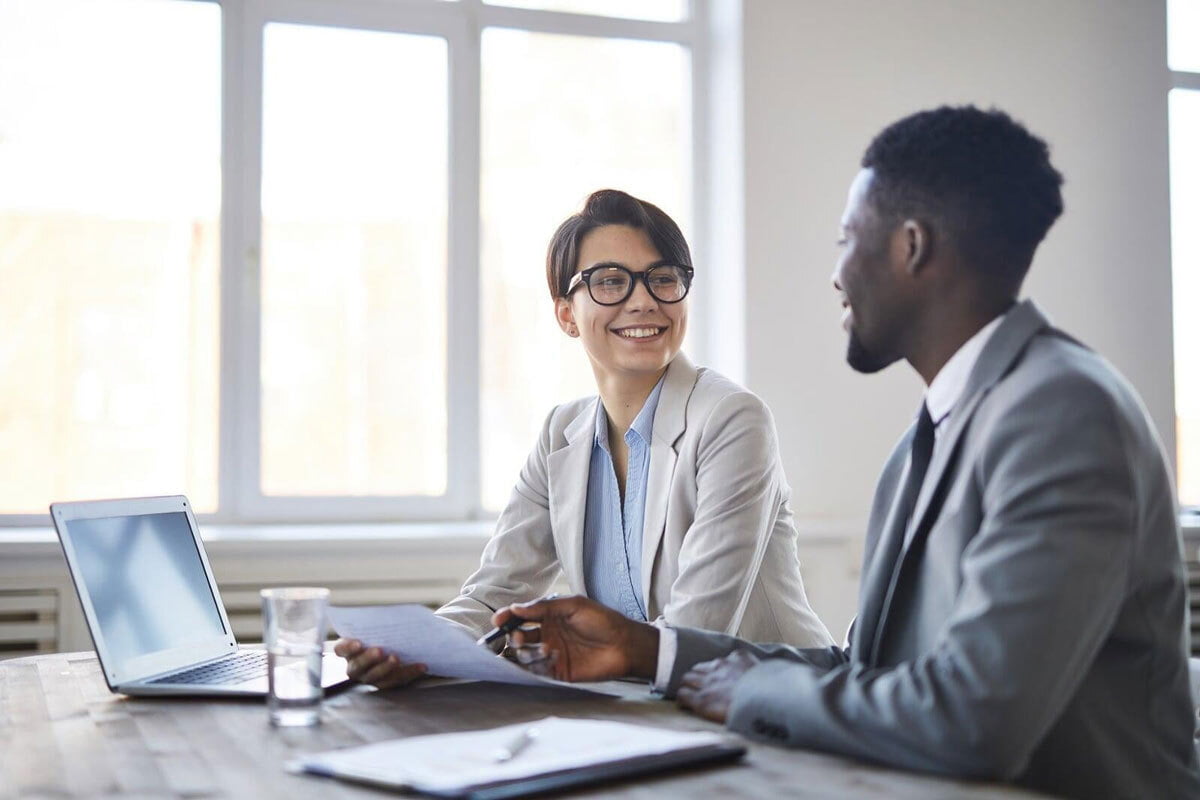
x,y
574,331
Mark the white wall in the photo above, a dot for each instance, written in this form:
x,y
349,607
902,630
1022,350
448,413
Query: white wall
x,y
821,78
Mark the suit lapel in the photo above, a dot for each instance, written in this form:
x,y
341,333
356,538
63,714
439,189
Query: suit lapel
x,y
670,421
998,356
1024,321
943,452
881,559
568,483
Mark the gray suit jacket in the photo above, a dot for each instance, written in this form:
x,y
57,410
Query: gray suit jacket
x,y
1033,629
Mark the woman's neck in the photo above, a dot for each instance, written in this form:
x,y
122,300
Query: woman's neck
x,y
623,397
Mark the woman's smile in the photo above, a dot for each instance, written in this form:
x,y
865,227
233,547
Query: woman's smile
x,y
640,333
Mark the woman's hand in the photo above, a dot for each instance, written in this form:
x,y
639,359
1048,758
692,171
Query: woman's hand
x,y
583,640
372,665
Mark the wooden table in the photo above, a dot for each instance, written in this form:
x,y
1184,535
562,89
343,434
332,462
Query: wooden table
x,y
62,734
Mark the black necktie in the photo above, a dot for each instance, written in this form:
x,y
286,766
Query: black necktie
x,y
918,463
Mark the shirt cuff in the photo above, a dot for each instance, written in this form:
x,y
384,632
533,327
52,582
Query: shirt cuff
x,y
668,645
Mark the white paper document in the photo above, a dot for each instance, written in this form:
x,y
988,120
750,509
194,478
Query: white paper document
x,y
417,636
451,762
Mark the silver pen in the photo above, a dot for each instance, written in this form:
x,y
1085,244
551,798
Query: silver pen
x,y
521,741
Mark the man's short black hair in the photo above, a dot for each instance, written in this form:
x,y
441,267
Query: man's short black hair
x,y
979,173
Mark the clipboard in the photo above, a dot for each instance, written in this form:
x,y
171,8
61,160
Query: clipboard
x,y
616,751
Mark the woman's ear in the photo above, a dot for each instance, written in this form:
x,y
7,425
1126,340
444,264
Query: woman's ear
x,y
565,315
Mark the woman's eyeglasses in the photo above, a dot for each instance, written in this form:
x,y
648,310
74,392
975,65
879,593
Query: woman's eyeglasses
x,y
610,285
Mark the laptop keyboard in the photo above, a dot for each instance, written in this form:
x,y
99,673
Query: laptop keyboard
x,y
233,669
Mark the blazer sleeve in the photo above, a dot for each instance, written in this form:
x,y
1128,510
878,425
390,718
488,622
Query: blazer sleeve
x,y
694,646
520,561
1041,587
739,490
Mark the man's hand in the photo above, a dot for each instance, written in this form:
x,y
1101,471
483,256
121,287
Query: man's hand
x,y
585,641
707,688
372,665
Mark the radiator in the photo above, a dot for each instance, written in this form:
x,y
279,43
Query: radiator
x,y
1193,573
28,622
244,607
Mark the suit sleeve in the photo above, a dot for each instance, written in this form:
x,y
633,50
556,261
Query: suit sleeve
x,y
520,561
739,486
1041,588
693,646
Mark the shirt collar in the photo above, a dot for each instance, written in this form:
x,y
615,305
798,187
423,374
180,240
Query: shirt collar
x,y
948,385
643,423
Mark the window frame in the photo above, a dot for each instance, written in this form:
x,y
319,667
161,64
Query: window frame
x,y
709,33
240,498
461,23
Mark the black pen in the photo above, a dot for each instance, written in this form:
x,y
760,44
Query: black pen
x,y
505,628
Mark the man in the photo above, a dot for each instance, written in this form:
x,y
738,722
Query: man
x,y
1022,612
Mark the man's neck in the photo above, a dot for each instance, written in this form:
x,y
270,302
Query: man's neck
x,y
948,331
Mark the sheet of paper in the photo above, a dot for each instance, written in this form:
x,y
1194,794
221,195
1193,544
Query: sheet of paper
x,y
451,761
416,635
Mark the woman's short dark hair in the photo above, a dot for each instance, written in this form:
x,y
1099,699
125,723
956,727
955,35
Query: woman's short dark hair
x,y
611,207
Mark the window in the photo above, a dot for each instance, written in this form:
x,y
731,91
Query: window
x,y
353,288
1183,53
286,256
596,121
110,195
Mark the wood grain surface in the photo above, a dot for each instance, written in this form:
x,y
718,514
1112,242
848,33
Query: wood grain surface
x,y
64,735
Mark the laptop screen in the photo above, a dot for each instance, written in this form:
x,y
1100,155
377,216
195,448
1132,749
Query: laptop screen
x,y
146,582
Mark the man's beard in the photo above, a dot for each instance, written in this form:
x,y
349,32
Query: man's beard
x,y
863,360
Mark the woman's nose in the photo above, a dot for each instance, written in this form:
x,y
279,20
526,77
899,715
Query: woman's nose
x,y
640,298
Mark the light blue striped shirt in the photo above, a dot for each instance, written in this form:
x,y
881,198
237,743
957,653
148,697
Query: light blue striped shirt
x,y
612,535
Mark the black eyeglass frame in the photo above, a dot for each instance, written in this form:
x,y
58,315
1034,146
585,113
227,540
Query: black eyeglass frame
x,y
585,277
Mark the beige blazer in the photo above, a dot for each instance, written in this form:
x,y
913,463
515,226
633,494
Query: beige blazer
x,y
719,546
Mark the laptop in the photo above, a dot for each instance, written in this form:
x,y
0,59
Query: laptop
x,y
152,605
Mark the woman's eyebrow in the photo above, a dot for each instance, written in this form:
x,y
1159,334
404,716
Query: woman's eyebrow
x,y
651,265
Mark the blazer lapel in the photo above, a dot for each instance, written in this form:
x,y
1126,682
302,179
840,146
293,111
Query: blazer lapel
x,y
568,482
1005,346
881,562
1002,350
670,421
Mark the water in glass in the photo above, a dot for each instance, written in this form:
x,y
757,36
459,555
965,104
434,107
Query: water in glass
x,y
294,686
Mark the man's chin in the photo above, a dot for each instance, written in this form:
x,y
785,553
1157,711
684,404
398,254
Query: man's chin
x,y
864,360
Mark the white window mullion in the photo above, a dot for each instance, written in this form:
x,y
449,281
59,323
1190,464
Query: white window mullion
x,y
703,301
463,289
243,275
241,130
719,184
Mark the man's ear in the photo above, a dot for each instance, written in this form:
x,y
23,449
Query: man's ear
x,y
917,239
565,314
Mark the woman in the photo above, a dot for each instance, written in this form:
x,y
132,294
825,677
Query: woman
x,y
663,497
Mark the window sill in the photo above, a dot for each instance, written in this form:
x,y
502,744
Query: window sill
x,y
413,537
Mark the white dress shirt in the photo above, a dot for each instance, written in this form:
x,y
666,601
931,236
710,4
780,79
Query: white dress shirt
x,y
943,394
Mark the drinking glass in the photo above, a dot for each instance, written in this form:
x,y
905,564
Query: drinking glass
x,y
294,626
